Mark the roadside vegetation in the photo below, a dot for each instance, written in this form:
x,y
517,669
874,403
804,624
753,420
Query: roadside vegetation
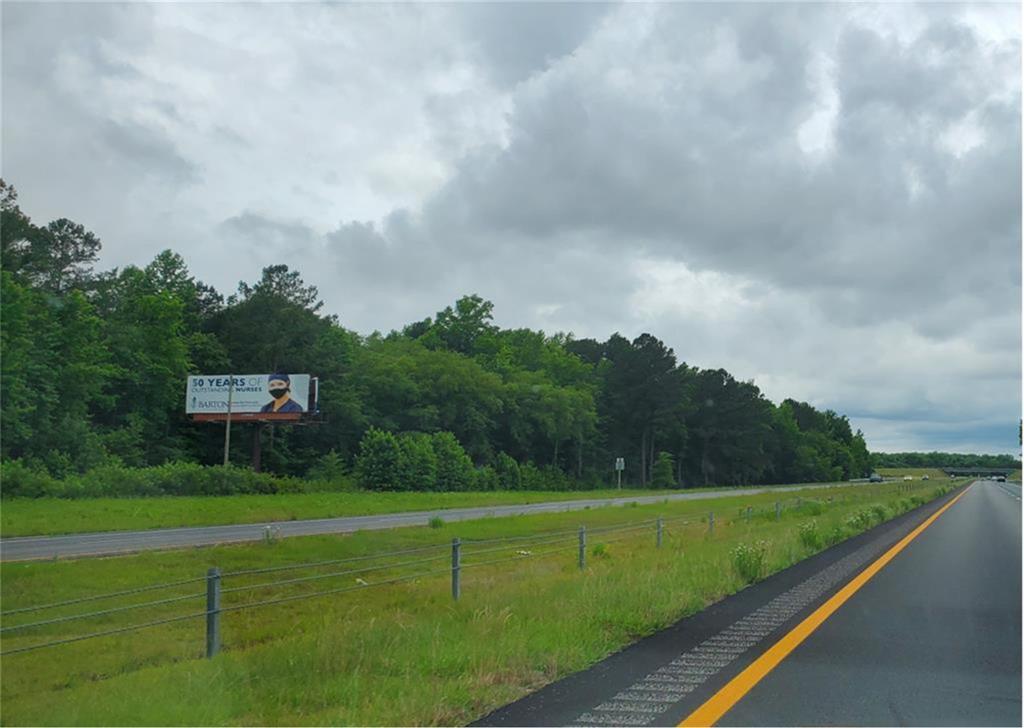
x,y
941,460
406,654
95,363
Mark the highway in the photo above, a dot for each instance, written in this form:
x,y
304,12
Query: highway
x,y
115,542
916,622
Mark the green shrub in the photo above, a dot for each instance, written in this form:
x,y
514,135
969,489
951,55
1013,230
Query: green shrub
x,y
436,522
749,560
377,465
328,468
120,481
836,535
881,513
485,479
600,551
546,478
860,521
454,468
507,470
417,465
662,473
338,484
18,480
809,535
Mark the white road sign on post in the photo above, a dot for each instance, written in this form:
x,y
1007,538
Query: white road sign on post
x,y
620,465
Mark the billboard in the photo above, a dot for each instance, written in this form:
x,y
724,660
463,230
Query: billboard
x,y
278,393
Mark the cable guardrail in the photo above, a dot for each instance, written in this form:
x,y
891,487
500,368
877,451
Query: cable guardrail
x,y
506,548
100,597
331,562
340,590
100,613
526,546
517,557
333,574
542,534
120,630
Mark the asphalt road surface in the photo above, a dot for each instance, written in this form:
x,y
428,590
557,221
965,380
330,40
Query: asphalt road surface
x,y
114,542
933,638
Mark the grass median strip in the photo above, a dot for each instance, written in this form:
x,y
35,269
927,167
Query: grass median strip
x,y
403,653
55,516
58,516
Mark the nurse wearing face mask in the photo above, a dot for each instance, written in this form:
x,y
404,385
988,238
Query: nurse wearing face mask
x,y
280,386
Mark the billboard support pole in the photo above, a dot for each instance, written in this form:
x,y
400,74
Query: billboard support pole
x,y
257,430
227,423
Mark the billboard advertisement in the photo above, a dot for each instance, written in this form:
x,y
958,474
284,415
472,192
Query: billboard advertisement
x,y
277,393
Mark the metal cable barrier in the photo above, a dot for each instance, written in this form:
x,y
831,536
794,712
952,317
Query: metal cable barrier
x,y
462,555
98,597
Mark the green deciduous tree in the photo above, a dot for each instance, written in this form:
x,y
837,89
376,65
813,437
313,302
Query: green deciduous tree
x,y
662,474
378,465
417,463
454,468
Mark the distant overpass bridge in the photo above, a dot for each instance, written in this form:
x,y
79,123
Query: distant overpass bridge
x,y
977,472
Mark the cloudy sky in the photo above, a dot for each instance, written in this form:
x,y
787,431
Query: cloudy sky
x,y
823,198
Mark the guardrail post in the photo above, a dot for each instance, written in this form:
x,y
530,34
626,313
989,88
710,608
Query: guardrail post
x,y
456,565
660,526
711,523
212,611
778,510
583,548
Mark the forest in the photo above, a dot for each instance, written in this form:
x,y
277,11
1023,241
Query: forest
x,y
941,460
94,365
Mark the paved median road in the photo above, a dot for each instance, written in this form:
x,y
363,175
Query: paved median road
x,y
916,622
114,542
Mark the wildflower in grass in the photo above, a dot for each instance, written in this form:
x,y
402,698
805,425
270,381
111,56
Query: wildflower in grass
x,y
749,560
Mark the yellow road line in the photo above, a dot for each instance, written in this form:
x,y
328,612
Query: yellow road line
x,y
722,701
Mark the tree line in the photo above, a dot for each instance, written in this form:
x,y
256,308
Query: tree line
x,y
95,362
941,460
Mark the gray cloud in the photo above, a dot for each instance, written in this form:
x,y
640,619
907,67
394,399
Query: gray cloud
x,y
517,40
825,198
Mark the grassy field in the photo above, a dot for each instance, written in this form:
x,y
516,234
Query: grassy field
x,y
48,516
51,516
915,473
400,654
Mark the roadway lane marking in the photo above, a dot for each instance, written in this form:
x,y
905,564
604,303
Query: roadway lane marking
x,y
656,693
1008,491
721,702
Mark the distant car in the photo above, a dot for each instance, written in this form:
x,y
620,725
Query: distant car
x,y
1001,478
908,477
924,477
875,478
